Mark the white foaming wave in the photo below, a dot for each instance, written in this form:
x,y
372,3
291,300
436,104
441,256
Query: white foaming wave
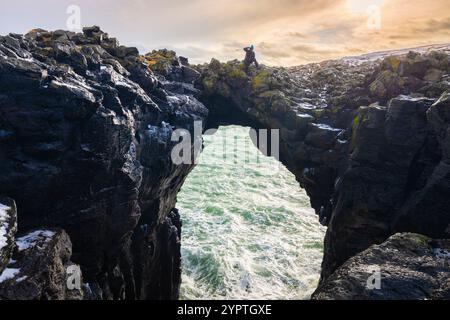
x,y
247,234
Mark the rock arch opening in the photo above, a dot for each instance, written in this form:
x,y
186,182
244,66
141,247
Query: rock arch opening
x,y
248,229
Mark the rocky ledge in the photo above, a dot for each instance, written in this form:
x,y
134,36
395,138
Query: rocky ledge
x,y
85,149
406,266
33,266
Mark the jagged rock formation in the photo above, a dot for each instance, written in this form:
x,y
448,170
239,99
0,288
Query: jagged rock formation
x,y
34,266
406,266
85,140
367,140
85,146
38,270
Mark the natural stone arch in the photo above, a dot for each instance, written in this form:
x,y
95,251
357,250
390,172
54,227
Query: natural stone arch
x,y
85,128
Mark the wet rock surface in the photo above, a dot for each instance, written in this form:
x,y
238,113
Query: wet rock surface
x,y
405,267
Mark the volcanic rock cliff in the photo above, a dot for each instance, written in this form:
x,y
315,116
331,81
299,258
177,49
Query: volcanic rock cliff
x,y
85,145
85,140
367,138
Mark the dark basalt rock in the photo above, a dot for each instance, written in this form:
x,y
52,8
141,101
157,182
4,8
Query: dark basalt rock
x,y
38,269
406,267
85,146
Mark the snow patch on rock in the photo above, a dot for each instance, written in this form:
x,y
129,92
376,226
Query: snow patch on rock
x,y
8,274
30,239
3,219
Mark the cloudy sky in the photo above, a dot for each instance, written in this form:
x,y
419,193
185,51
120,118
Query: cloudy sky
x,y
285,32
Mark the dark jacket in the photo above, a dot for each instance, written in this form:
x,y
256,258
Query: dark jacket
x,y
250,55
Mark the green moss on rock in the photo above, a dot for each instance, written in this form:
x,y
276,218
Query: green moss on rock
x,y
260,82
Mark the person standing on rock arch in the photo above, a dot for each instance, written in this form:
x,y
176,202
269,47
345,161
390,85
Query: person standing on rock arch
x,y
250,57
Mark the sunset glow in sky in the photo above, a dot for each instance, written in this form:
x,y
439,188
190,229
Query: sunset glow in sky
x,y
284,32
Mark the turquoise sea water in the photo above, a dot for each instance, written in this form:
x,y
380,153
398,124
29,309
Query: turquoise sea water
x,y
248,229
